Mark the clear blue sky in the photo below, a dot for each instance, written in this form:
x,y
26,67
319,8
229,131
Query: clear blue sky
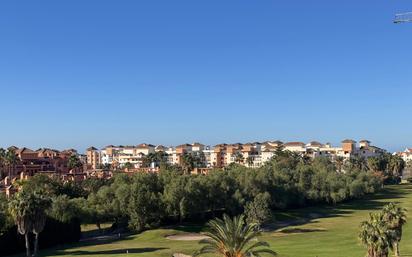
x,y
79,73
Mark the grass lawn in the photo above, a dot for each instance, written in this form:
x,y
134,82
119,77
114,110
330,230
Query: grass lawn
x,y
321,232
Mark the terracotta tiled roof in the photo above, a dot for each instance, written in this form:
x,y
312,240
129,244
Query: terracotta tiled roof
x,y
349,141
294,144
315,143
364,141
268,148
183,146
277,142
24,150
144,145
15,148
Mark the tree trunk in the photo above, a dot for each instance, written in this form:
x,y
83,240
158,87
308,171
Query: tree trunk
x,y
396,248
99,228
26,238
36,244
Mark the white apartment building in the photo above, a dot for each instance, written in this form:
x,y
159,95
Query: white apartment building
x,y
250,154
405,155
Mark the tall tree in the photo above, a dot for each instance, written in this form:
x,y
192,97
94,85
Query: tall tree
x,y
233,238
395,217
339,161
375,235
5,219
74,162
239,157
40,205
11,161
396,165
258,210
29,212
2,162
128,165
249,161
188,162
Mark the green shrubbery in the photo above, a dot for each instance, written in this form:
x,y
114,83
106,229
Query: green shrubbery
x,y
143,201
146,200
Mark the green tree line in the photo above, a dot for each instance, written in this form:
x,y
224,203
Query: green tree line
x,y
146,200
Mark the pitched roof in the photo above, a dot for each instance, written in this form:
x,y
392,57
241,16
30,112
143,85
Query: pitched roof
x,y
349,141
144,145
315,143
267,148
14,148
92,148
24,150
294,144
277,142
364,141
183,146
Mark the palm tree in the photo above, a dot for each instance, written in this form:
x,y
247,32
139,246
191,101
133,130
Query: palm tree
x,y
128,165
74,162
250,161
375,235
374,164
233,238
239,157
395,218
187,162
2,162
396,165
339,161
359,163
41,204
20,209
11,161
29,213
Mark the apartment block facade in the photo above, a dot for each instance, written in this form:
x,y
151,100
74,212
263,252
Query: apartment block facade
x,y
43,160
252,155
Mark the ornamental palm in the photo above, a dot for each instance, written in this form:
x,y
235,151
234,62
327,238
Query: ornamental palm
x,y
233,238
395,218
11,161
375,235
339,161
41,204
239,157
2,162
29,212
21,211
250,160
74,162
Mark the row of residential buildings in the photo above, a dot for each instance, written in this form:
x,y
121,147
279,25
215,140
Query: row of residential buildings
x,y
41,160
406,155
249,154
